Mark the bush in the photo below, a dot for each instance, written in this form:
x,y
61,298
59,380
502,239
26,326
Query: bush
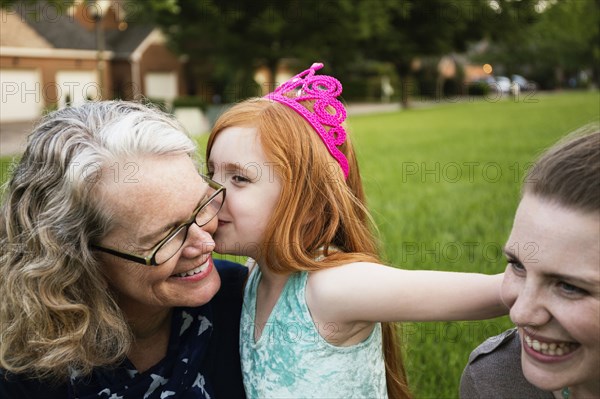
x,y
478,89
156,102
355,90
190,102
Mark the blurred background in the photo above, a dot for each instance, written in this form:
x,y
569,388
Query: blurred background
x,y
449,102
204,53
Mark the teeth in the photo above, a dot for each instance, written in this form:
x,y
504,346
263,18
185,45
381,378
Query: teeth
x,y
197,270
552,348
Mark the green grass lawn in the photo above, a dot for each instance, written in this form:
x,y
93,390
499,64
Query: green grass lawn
x,y
443,185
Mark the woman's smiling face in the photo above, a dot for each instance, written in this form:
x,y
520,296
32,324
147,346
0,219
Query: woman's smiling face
x,y
162,194
552,283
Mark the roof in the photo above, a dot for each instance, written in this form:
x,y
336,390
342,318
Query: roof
x,y
65,32
14,32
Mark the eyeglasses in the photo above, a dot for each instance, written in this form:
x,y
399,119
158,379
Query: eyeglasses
x,y
172,243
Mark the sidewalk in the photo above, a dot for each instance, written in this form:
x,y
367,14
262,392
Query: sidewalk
x,y
371,108
13,136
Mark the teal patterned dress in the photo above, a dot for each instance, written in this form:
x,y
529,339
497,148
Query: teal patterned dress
x,y
292,360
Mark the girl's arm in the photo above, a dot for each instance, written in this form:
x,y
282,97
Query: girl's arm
x,y
371,292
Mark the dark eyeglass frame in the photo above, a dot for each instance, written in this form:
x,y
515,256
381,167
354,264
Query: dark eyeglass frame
x,y
150,260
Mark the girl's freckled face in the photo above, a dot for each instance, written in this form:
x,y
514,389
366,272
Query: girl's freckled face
x,y
237,161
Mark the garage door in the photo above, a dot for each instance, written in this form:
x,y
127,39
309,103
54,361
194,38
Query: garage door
x,y
161,85
20,92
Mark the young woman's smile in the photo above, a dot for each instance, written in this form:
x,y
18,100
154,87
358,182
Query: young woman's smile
x,y
554,274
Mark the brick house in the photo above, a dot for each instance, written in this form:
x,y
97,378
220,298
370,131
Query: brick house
x,y
51,57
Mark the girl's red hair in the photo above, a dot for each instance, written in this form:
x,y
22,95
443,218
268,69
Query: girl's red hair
x,y
318,209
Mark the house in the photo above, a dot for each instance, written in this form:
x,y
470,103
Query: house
x,y
52,56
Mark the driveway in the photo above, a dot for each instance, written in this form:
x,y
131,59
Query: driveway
x,y
13,137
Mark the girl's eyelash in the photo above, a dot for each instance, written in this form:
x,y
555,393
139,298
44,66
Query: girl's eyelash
x,y
240,179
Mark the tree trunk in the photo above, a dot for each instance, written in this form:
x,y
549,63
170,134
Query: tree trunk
x,y
406,83
559,76
272,66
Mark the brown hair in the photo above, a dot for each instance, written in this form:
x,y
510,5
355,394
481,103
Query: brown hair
x,y
569,173
317,209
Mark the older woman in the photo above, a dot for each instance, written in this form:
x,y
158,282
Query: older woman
x,y
554,273
107,283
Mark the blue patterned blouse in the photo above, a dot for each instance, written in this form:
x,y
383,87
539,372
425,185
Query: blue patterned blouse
x,y
202,358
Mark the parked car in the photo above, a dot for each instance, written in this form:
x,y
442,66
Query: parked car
x,y
502,84
524,84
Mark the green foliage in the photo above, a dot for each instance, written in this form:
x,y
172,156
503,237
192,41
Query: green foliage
x,y
231,38
478,89
407,30
156,102
189,101
50,108
55,4
563,40
7,165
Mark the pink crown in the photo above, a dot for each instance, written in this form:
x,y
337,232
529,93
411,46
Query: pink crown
x,y
323,90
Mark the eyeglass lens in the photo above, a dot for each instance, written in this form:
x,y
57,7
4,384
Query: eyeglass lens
x,y
205,215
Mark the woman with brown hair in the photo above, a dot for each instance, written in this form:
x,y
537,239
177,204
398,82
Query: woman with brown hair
x,y
553,271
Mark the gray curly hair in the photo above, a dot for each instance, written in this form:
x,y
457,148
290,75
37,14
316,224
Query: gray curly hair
x,y
56,314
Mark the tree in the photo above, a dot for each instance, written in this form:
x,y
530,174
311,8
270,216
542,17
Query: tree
x,y
410,29
231,38
227,40
563,41
58,3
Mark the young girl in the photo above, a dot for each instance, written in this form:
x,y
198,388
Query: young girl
x,y
317,294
